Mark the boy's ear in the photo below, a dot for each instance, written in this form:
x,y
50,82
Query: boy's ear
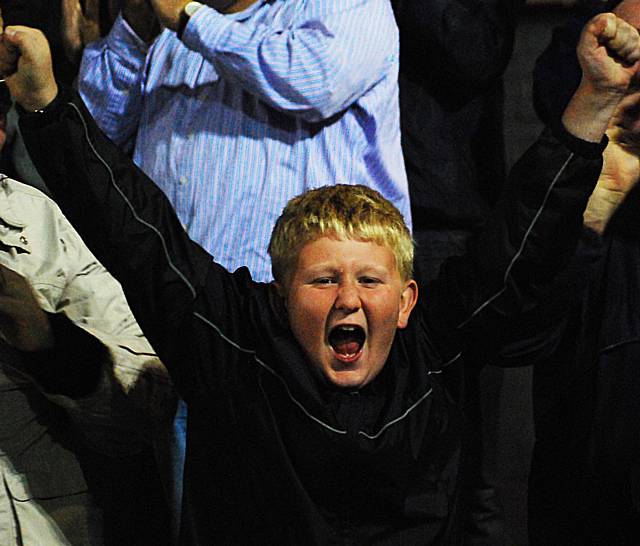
x,y
408,300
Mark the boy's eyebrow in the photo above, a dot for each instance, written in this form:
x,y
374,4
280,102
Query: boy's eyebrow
x,y
321,268
328,269
373,267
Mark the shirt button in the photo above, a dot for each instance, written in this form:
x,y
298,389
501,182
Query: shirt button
x,y
183,180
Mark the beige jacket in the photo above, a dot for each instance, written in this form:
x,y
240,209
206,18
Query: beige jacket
x,y
43,494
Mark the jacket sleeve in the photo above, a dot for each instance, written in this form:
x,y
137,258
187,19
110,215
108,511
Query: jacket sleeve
x,y
177,293
509,268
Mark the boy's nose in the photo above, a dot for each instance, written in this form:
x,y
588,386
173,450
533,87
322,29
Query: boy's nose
x,y
347,298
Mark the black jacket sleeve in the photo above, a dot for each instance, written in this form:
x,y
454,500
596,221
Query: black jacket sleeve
x,y
129,224
511,265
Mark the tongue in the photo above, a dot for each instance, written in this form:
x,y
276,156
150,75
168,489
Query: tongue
x,y
347,347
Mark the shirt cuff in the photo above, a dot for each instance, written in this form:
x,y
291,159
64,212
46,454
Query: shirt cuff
x,y
583,148
48,114
204,29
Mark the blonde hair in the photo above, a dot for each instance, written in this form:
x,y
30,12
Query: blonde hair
x,y
342,212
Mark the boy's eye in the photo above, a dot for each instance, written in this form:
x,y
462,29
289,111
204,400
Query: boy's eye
x,y
323,280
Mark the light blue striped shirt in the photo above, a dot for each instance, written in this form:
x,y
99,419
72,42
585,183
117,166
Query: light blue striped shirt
x,y
251,109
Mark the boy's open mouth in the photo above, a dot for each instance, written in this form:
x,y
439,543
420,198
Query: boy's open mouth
x,y
347,341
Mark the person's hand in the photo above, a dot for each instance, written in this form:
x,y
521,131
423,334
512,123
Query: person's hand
x,y
621,164
141,18
608,51
620,173
79,26
25,65
625,124
23,323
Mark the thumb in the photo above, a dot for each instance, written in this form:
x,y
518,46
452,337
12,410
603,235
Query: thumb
x,y
18,38
596,32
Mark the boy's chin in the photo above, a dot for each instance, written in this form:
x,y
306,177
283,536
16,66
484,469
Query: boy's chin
x,y
350,379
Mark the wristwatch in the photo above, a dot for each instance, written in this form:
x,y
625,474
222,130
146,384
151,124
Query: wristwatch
x,y
189,9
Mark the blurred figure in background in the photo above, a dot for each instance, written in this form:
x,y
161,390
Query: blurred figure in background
x,y
453,55
78,457
84,22
82,394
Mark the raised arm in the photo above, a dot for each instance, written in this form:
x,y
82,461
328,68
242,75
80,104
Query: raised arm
x,y
313,63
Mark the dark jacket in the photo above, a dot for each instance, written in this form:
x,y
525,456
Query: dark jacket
x,y
274,456
452,56
585,474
